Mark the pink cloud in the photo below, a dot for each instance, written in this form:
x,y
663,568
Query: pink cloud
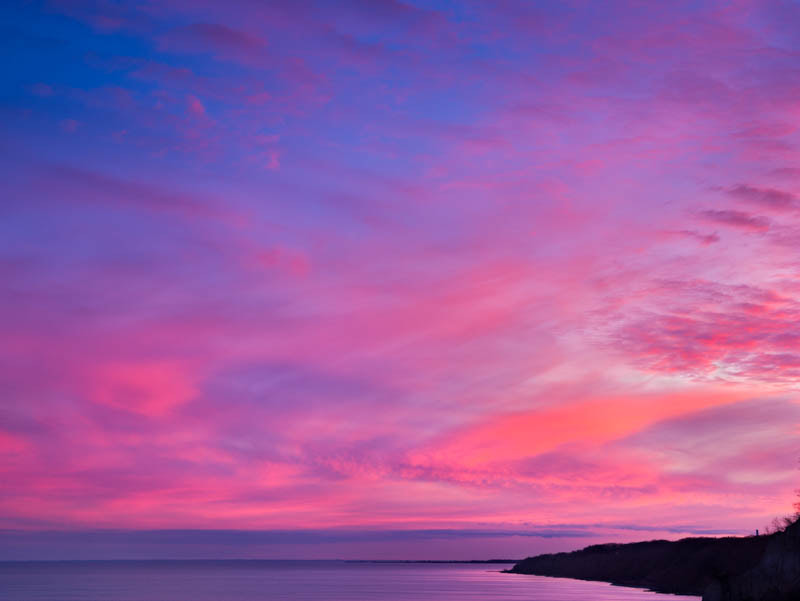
x,y
737,219
69,125
215,37
765,197
149,388
196,107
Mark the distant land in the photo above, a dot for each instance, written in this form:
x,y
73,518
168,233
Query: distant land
x,y
514,561
754,568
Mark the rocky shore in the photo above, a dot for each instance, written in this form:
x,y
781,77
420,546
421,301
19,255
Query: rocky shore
x,y
756,568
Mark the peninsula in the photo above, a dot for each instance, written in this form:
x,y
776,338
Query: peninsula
x,y
754,568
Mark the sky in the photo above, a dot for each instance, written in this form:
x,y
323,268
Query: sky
x,y
396,278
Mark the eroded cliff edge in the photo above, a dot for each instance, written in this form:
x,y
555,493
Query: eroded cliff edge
x,y
776,577
757,568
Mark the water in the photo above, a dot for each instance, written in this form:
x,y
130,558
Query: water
x,y
293,581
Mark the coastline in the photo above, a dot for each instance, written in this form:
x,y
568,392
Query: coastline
x,y
754,568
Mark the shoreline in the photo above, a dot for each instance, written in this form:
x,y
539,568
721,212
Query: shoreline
x,y
753,568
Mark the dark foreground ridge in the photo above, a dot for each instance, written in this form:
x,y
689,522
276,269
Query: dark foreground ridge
x,y
756,568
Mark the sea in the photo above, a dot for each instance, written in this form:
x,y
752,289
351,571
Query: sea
x,y
267,580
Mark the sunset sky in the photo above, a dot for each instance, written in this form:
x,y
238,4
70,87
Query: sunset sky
x,y
396,279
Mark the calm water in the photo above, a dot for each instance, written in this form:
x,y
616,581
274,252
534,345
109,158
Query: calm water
x,y
295,581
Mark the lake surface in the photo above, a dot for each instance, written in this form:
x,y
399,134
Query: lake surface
x,y
294,581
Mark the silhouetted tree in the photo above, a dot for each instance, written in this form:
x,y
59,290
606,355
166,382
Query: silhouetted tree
x,y
781,524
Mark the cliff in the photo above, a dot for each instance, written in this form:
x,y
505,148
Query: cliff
x,y
776,577
763,568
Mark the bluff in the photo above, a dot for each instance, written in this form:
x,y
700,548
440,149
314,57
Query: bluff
x,y
756,568
776,577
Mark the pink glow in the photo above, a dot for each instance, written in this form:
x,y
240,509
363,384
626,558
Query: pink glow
x,y
402,266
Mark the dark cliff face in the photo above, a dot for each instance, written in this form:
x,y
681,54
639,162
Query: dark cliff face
x,y
686,567
775,578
